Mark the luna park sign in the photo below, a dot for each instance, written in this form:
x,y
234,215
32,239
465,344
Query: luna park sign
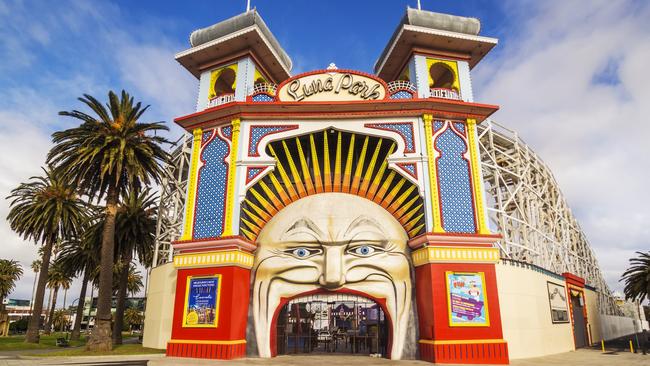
x,y
330,85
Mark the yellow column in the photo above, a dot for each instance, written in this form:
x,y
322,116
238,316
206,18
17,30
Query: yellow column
x,y
188,227
433,176
230,196
476,177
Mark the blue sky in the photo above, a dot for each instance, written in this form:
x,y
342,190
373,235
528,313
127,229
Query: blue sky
x,y
570,77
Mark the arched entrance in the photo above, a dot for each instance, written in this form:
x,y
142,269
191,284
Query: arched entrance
x,y
332,323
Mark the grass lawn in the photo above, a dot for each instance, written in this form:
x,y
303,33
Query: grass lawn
x,y
14,343
124,349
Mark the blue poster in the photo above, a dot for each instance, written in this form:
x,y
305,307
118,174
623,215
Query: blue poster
x,y
202,301
466,299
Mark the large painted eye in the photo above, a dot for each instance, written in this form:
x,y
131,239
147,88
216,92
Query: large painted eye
x,y
302,253
363,250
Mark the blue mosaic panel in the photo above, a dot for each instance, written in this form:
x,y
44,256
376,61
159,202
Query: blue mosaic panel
x,y
404,129
257,133
455,186
206,136
409,168
253,172
401,94
211,191
460,127
227,131
262,98
437,125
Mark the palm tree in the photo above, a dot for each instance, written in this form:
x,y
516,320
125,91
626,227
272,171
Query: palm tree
x,y
133,317
134,280
36,267
135,232
637,278
60,319
80,256
108,153
44,210
10,272
57,278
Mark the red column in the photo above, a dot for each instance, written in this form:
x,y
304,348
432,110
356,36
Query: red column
x,y
443,262
219,334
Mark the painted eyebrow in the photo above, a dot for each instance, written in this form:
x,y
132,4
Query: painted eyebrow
x,y
363,220
304,223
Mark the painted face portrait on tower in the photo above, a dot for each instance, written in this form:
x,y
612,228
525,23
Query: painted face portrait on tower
x,y
332,242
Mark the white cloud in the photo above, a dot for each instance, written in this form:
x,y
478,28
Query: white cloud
x,y
573,82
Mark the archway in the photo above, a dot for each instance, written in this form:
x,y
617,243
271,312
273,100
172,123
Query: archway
x,y
332,323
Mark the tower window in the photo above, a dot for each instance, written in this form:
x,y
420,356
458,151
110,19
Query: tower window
x,y
442,76
225,83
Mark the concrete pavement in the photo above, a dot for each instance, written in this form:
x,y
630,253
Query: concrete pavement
x,y
583,357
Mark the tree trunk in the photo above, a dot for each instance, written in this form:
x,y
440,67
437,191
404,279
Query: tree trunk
x,y
76,330
50,319
65,312
100,339
35,320
31,301
121,297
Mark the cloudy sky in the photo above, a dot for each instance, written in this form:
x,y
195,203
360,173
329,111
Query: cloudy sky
x,y
570,77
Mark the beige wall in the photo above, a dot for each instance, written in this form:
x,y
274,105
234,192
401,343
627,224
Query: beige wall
x,y
160,307
593,315
526,314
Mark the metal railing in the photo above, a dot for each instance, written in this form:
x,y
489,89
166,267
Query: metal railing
x,y
222,99
443,93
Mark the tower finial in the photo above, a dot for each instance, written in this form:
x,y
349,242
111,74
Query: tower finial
x,y
419,6
248,5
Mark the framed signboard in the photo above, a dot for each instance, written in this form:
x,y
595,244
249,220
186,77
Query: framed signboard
x,y
558,302
202,301
466,299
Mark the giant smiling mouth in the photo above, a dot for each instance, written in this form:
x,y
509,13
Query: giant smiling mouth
x,y
345,296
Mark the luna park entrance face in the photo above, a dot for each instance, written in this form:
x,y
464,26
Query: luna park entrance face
x,y
332,323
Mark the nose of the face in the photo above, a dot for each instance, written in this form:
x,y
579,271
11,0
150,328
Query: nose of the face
x,y
333,273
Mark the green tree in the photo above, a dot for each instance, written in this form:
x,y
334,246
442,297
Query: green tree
x,y
81,257
44,209
637,278
58,278
10,272
133,317
135,232
60,319
107,154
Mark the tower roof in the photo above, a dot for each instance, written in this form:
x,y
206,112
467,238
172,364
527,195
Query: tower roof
x,y
231,37
429,31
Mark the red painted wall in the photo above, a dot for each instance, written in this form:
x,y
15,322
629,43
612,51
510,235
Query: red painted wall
x,y
233,306
433,309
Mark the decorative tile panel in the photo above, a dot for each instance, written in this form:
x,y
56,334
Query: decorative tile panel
x,y
404,129
211,191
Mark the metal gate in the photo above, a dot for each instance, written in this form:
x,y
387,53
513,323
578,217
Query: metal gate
x,y
332,323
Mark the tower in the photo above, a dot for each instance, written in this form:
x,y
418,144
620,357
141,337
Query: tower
x,y
456,285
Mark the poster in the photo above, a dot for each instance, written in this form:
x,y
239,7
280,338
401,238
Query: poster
x,y
466,299
558,301
202,301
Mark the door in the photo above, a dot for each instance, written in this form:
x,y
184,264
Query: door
x,y
579,327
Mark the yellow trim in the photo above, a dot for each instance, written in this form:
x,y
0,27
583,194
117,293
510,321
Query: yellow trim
x,y
476,178
220,258
294,171
197,341
358,171
216,304
317,177
484,295
326,164
214,75
232,171
434,254
305,168
191,186
462,341
433,175
347,173
337,164
451,64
